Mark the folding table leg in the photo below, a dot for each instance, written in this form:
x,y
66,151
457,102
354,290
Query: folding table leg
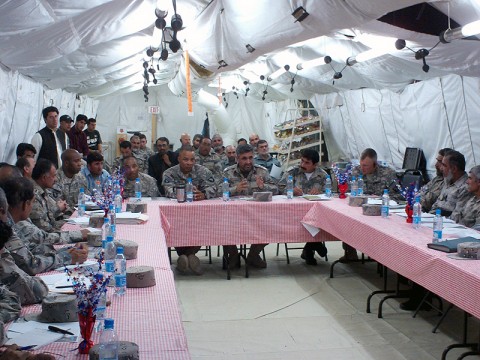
x,y
383,291
464,343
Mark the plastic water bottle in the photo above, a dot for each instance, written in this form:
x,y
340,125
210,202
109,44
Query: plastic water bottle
x,y
97,190
354,187
360,185
105,230
101,307
189,190
81,202
437,226
328,187
290,187
385,204
117,200
226,190
417,213
112,216
120,272
138,189
108,342
110,253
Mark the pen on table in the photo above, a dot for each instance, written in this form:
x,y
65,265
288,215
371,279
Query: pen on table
x,y
29,347
63,286
59,330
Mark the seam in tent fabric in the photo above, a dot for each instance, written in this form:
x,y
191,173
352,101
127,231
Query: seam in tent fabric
x,y
467,119
446,114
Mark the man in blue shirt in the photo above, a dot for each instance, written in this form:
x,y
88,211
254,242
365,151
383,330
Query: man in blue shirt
x,y
94,170
264,158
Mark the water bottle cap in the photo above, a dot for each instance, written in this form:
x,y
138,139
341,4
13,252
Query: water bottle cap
x,y
438,212
111,207
109,238
189,180
105,220
385,191
354,178
328,176
119,250
82,190
290,177
108,323
225,179
137,179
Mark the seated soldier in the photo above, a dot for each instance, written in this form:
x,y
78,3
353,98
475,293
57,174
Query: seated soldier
x,y
30,289
245,178
468,214
26,165
126,150
205,156
30,257
147,183
204,188
430,192
453,193
69,178
376,178
47,214
308,178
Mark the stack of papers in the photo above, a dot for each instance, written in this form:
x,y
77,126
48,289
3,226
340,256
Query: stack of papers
x,y
29,333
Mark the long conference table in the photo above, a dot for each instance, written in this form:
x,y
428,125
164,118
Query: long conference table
x,y
150,317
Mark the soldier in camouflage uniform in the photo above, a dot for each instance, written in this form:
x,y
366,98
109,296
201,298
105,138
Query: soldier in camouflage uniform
x,y
69,177
245,178
144,147
46,213
30,289
217,145
139,154
31,258
231,154
26,229
308,178
148,183
127,151
376,178
454,192
429,192
205,156
264,158
468,214
9,306
204,188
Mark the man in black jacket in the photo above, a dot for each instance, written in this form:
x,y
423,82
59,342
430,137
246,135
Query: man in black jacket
x,y
161,161
46,141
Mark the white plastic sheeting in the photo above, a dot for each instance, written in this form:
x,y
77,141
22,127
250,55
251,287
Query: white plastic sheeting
x,y
443,112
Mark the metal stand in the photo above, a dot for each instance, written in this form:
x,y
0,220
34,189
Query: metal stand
x,y
464,343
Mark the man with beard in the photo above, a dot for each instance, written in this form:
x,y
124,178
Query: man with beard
x,y
196,141
217,145
204,187
468,214
184,141
308,178
245,178
429,192
161,161
231,152
69,178
454,192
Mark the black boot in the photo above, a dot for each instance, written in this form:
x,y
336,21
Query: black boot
x,y
321,249
308,254
416,296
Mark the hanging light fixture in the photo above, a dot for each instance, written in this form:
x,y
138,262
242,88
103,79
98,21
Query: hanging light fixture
x,y
278,73
470,29
365,56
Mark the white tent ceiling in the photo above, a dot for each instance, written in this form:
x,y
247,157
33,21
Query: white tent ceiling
x,y
96,47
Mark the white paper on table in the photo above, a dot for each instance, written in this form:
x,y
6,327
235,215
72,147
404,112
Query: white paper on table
x,y
431,219
26,333
94,212
93,264
379,202
459,232
311,229
279,197
82,220
276,171
319,197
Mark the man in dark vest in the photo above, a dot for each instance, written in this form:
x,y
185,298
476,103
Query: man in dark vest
x,y
46,141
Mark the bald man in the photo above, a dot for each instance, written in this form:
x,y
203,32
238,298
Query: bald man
x,y
69,178
184,141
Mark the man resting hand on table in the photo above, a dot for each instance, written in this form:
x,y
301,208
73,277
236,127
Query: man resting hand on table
x,y
245,178
204,187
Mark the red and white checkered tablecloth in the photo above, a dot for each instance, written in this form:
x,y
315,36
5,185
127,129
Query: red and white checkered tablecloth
x,y
149,317
215,222
400,247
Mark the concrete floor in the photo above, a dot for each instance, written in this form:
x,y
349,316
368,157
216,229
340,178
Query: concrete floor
x,y
296,311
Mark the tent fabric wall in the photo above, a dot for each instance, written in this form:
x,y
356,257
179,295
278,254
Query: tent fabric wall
x,y
442,112
21,102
